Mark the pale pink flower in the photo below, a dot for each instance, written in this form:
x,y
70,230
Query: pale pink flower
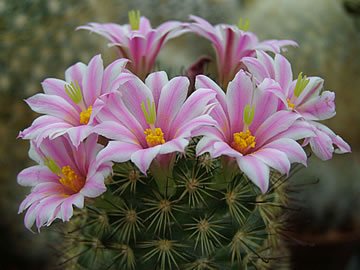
x,y
250,131
137,41
69,106
64,177
150,122
231,44
304,96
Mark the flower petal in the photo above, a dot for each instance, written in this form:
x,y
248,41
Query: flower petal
x,y
143,158
36,174
283,72
79,133
257,171
56,87
74,74
67,206
117,152
318,108
111,73
238,95
175,145
222,148
194,106
203,81
274,125
94,186
291,148
55,106
171,100
92,80
116,131
156,81
134,92
274,159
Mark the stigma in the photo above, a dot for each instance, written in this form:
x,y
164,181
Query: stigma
x,y
154,137
243,141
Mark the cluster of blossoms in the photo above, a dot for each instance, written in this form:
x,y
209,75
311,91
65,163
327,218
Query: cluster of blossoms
x,y
253,117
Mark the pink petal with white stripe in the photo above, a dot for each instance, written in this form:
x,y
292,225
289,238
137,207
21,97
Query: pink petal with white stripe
x,y
283,72
257,171
194,106
36,174
239,94
67,206
94,186
92,80
116,131
274,159
111,73
54,106
203,81
75,73
319,108
143,158
175,145
156,81
206,144
275,124
224,149
291,148
117,152
56,87
171,100
135,92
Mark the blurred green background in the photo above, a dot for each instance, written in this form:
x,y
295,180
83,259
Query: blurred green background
x,y
37,41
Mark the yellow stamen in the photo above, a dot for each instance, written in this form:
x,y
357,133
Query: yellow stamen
x,y
85,116
70,179
290,105
154,138
243,141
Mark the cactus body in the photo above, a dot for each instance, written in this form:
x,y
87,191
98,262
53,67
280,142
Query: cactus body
x,y
204,225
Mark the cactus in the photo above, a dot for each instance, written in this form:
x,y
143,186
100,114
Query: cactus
x,y
202,226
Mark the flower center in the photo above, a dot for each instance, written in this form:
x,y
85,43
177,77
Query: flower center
x,y
71,180
290,105
154,138
243,141
85,116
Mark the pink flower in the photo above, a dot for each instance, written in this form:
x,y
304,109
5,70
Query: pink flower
x,y
250,130
152,121
64,177
137,41
232,44
303,96
69,106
